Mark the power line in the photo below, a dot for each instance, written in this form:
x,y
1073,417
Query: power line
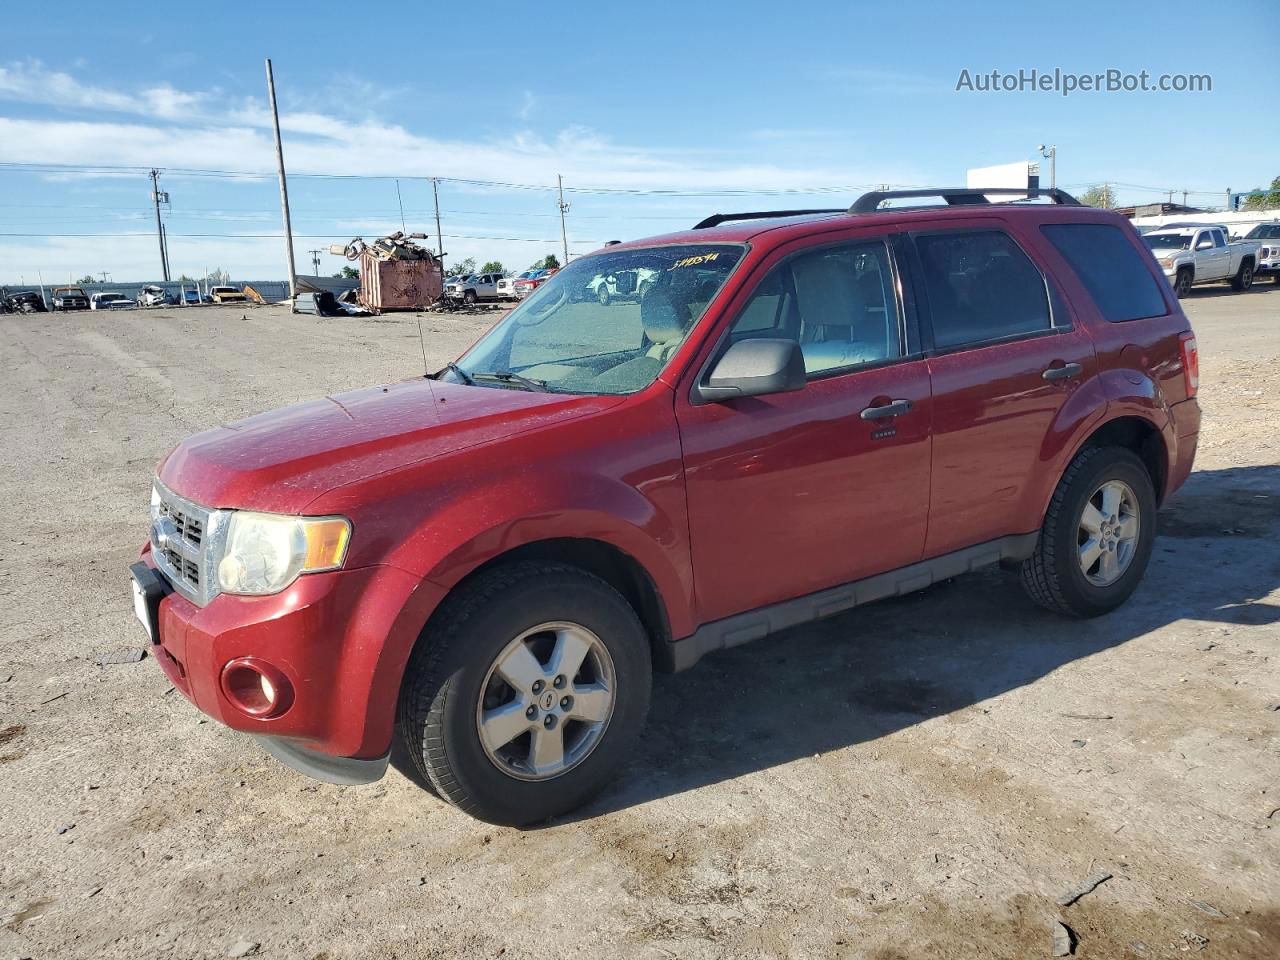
x,y
277,236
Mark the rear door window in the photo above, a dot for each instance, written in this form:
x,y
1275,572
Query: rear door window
x,y
981,287
1111,268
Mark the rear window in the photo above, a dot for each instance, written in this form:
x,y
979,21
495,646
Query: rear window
x,y
1111,269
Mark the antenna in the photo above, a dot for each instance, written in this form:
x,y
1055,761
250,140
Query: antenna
x,y
426,368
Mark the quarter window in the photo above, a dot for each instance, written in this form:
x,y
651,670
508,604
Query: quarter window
x,y
1111,269
838,302
981,286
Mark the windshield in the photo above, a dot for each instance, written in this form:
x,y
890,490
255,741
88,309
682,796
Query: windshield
x,y
1264,231
604,324
1168,241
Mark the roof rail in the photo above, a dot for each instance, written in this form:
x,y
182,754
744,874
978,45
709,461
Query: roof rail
x,y
718,218
958,196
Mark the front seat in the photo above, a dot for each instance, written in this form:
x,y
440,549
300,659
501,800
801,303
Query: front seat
x,y
665,323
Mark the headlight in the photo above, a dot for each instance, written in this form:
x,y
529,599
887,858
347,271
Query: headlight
x,y
264,553
1167,262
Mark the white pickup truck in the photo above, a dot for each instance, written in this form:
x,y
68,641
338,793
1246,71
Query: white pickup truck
x,y
1267,236
1191,253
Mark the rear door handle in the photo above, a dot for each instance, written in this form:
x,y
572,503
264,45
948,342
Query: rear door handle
x,y
1062,372
896,408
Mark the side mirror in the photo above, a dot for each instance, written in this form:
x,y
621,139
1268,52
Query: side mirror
x,y
754,368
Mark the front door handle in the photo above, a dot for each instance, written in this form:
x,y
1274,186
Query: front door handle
x,y
1063,372
894,409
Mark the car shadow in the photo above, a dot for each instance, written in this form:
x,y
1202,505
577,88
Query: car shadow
x,y
878,669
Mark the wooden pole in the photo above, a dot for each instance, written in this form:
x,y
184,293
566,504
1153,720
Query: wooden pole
x,y
284,186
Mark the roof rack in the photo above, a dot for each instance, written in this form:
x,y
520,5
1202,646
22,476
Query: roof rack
x,y
718,218
958,196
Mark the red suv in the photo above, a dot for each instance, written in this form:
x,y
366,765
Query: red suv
x,y
806,411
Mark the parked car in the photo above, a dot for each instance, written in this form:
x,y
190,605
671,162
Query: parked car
x,y
1192,253
1267,236
529,284
507,285
804,414
479,286
70,298
191,297
154,296
624,285
227,295
21,301
111,301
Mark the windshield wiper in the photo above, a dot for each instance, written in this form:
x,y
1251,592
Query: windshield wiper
x,y
462,374
506,376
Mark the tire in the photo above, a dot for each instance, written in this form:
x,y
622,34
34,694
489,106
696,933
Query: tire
x,y
469,297
1054,576
1182,283
602,294
1243,279
453,681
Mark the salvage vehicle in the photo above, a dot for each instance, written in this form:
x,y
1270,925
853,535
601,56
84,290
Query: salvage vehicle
x,y
227,295
69,298
1267,236
808,411
111,301
529,284
1192,253
623,285
21,301
478,286
154,296
507,285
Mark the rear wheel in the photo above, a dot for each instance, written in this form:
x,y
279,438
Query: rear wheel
x,y
1097,535
529,696
1243,279
1182,283
602,294
469,297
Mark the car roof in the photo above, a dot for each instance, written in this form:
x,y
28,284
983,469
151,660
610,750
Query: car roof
x,y
779,230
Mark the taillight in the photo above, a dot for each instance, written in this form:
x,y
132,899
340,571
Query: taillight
x,y
1190,362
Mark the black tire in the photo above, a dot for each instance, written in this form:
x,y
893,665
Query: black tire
x,y
1182,283
1052,576
469,297
1243,279
442,689
602,294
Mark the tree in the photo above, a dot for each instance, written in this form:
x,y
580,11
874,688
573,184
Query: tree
x,y
185,279
218,277
463,267
549,262
87,278
493,266
1102,197
1264,199
348,273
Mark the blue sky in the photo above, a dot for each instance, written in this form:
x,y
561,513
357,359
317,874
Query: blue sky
x,y
699,99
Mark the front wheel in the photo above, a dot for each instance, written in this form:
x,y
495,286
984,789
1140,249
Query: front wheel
x,y
1097,535
1243,279
527,692
1182,284
602,294
469,297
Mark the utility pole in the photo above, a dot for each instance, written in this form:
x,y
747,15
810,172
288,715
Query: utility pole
x,y
403,228
1184,198
564,208
435,194
164,249
284,187
155,196
315,260
1051,154
104,276
1228,206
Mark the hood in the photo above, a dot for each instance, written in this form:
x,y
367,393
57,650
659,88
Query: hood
x,y
282,460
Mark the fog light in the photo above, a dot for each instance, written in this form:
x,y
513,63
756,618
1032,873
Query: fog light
x,y
256,688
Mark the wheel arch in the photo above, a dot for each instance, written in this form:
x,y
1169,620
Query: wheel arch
x,y
1140,435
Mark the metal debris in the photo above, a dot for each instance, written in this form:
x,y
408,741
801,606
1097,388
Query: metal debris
x,y
1064,940
1194,940
1207,908
132,655
1071,896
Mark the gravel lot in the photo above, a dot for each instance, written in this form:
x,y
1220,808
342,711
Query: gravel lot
x,y
920,778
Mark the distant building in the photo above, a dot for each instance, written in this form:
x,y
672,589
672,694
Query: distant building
x,y
1158,210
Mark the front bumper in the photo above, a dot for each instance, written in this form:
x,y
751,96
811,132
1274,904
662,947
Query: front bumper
x,y
340,639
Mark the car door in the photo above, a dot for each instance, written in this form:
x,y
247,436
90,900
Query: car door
x,y
1004,357
793,493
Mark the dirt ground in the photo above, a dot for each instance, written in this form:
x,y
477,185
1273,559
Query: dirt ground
x,y
922,778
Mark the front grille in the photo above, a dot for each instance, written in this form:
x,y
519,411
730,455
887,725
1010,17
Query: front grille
x,y
181,543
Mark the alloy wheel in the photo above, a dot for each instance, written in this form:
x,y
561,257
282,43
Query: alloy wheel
x,y
1107,536
546,701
